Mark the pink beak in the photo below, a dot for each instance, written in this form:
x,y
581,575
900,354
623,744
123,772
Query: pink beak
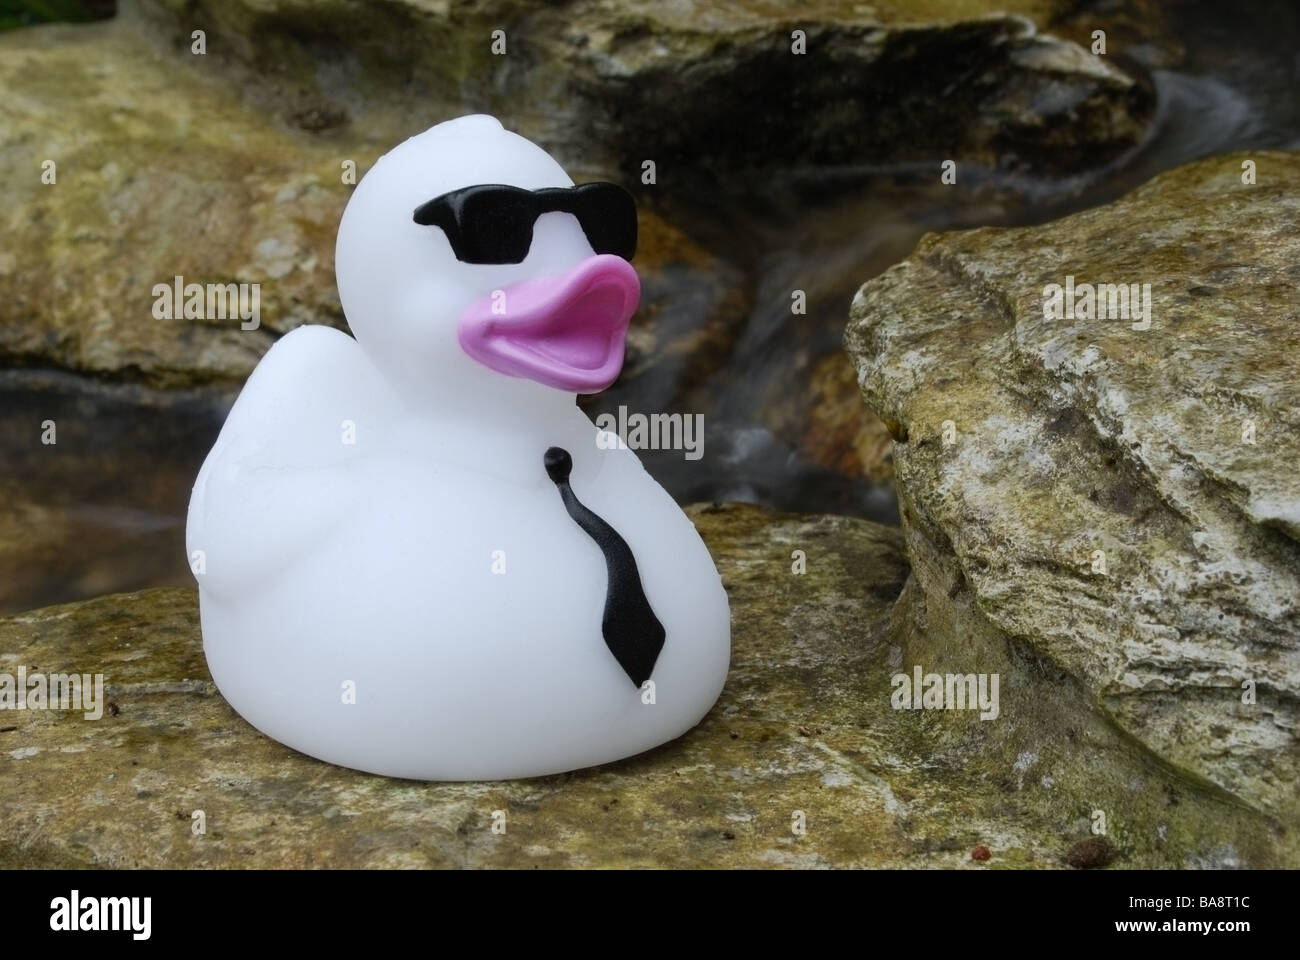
x,y
567,332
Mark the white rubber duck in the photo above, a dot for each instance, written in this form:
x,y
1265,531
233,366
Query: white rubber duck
x,y
394,573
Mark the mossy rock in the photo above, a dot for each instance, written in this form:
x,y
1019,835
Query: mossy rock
x,y
804,725
1115,498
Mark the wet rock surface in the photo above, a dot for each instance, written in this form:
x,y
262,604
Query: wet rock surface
x,y
1118,505
804,724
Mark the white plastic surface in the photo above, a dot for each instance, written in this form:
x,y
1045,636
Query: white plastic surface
x,y
417,602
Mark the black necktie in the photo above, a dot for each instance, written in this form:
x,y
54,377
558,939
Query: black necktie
x,y
632,631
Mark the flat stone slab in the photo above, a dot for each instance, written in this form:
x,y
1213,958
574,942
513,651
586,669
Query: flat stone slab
x,y
804,724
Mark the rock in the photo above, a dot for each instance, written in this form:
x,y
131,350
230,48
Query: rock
x,y
1074,438
229,166
841,433
804,724
1090,853
1144,30
159,171
974,81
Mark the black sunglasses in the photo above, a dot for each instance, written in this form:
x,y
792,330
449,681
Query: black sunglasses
x,y
493,222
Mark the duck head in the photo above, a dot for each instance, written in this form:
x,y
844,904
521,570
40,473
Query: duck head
x,y
472,271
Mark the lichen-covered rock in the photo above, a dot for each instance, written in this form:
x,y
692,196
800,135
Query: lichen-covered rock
x,y
129,169
1119,505
803,734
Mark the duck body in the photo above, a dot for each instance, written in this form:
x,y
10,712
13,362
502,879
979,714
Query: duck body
x,y
391,582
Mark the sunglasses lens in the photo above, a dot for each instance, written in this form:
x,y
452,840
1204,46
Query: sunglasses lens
x,y
607,213
494,224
